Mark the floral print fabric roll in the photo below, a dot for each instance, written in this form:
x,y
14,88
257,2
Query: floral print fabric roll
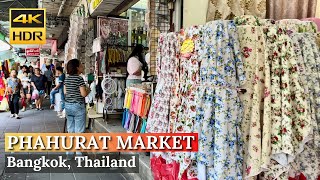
x,y
167,61
219,111
252,44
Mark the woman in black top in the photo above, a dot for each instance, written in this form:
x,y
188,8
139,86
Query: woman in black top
x,y
38,82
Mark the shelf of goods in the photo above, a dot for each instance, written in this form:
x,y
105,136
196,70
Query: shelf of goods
x,y
136,108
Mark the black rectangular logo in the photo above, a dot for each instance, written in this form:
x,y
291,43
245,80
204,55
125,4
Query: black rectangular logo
x,y
27,18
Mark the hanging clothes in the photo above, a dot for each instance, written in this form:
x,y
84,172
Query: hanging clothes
x,y
290,121
167,68
296,25
183,106
227,10
219,111
252,45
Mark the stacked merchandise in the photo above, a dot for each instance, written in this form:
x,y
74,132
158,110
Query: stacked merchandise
x,y
137,104
271,130
117,55
75,31
2,85
118,96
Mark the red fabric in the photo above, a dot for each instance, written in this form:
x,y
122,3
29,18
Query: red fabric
x,y
299,177
23,102
163,171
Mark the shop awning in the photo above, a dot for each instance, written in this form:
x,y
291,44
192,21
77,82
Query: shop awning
x,y
5,54
110,7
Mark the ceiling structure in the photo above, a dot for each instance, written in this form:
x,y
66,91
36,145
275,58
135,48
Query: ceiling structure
x,y
113,7
59,11
57,8
5,5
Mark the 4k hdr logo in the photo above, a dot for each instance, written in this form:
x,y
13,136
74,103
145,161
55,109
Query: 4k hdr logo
x,y
27,26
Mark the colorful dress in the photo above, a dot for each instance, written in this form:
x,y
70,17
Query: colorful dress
x,y
167,65
219,111
185,108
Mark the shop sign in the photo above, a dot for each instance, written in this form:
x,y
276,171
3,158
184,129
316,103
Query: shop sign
x,y
113,31
94,4
32,52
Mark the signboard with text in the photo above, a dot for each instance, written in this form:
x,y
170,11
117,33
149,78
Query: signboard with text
x,y
32,52
27,26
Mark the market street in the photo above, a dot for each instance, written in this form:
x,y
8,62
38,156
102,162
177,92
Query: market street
x,y
45,121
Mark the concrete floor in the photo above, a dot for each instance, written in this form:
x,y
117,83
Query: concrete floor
x,y
39,122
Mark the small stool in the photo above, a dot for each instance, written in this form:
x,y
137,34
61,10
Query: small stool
x,y
92,114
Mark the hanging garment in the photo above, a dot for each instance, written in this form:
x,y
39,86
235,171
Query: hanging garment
x,y
158,119
315,20
290,121
308,162
228,9
252,45
183,103
295,25
219,111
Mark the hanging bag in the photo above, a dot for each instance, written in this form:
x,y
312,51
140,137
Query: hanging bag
x,y
35,95
4,106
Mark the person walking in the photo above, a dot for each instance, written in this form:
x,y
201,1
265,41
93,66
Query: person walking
x,y
14,91
49,75
75,91
58,89
25,81
38,82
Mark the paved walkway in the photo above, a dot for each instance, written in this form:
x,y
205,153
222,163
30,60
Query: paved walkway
x,y
39,122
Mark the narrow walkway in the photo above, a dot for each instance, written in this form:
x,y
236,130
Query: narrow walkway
x,y
45,121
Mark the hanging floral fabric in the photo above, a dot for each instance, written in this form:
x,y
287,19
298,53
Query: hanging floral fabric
x,y
167,65
219,112
183,111
252,45
296,25
228,9
290,122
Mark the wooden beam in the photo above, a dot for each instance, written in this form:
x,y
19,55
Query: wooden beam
x,y
125,5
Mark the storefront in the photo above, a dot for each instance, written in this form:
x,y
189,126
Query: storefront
x,y
243,75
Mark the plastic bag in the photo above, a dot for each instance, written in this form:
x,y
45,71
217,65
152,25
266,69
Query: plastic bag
x,y
4,106
163,171
35,95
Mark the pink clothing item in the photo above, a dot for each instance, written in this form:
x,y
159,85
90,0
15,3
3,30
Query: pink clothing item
x,y
133,66
315,20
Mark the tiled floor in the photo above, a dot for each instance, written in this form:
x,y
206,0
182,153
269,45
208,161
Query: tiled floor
x,y
40,121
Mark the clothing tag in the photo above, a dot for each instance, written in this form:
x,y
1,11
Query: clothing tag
x,y
187,47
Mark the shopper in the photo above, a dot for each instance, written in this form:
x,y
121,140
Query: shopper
x,y
31,71
135,65
75,91
49,75
25,80
58,88
38,82
22,70
14,91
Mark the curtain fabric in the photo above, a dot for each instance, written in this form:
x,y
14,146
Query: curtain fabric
x,y
293,9
229,9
